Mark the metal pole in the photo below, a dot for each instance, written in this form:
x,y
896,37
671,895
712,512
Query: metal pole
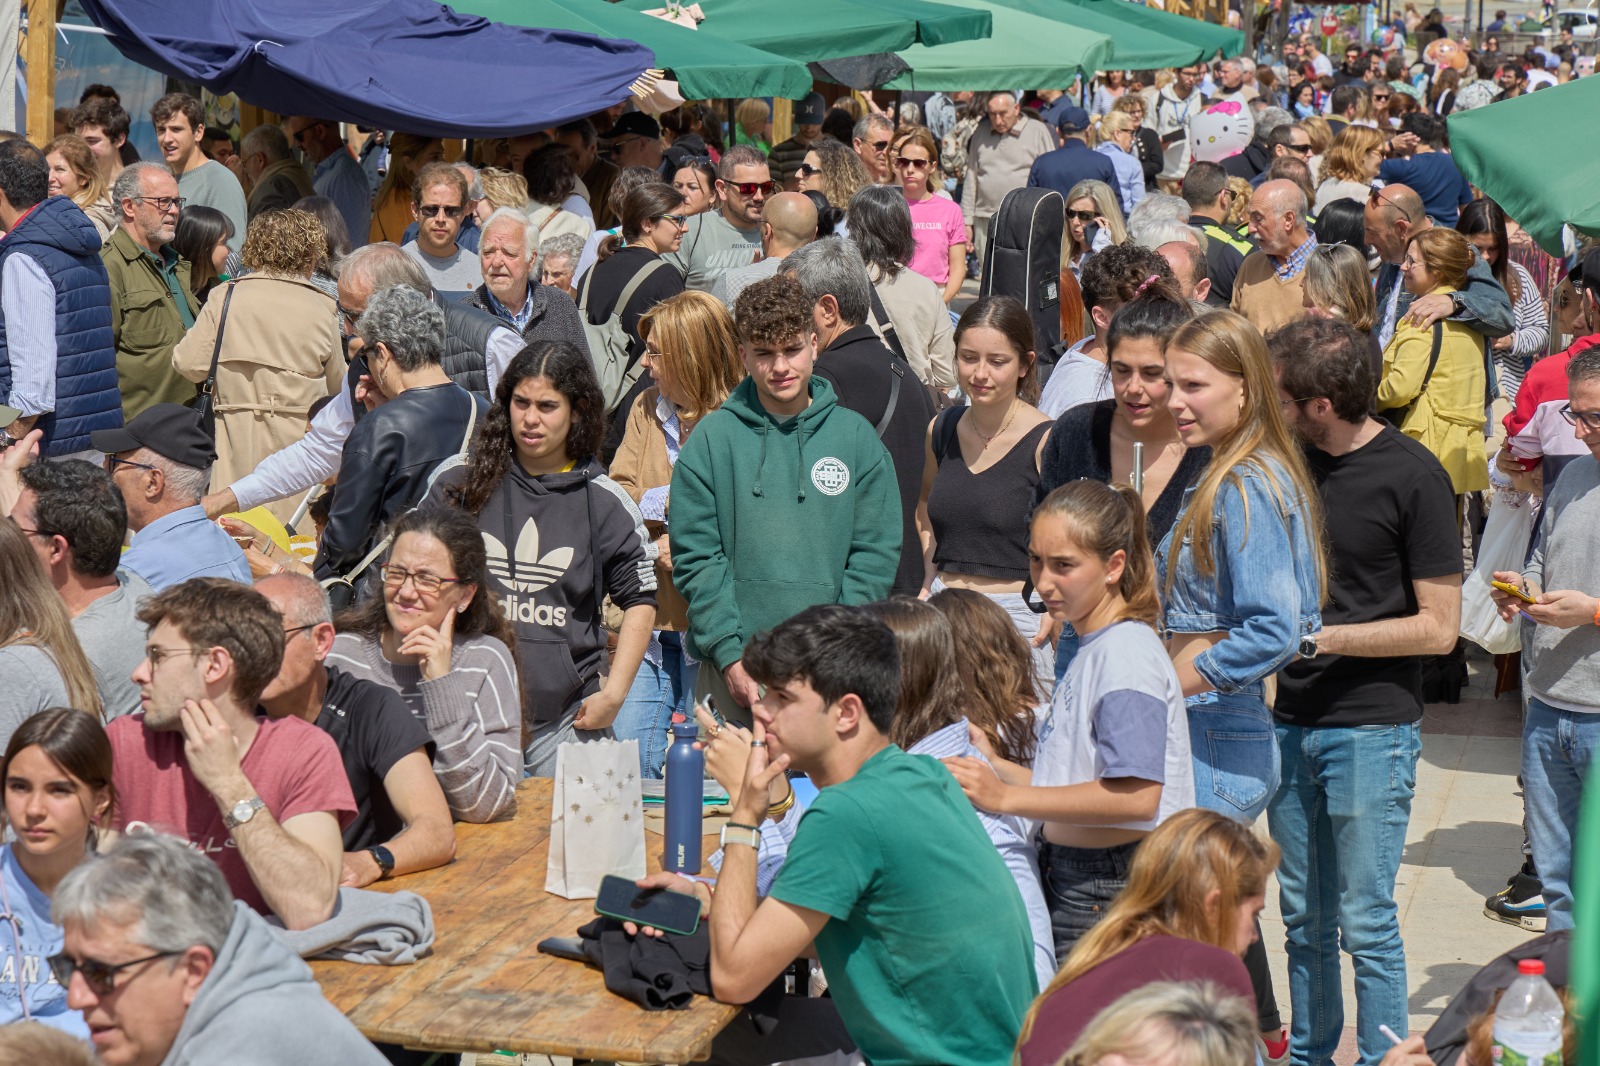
x,y
1138,467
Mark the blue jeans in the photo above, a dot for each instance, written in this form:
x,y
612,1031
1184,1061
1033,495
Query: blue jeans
x,y
1558,747
657,692
1340,818
1235,753
1079,886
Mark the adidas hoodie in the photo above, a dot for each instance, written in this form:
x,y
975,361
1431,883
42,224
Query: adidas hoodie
x,y
768,518
557,546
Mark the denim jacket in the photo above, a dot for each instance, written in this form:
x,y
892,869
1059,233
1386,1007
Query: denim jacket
x,y
1249,597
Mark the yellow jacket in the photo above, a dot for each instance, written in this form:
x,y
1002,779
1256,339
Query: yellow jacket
x,y
1449,417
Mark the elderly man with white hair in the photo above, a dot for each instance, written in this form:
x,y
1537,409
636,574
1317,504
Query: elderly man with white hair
x,y
999,157
510,291
1270,288
167,968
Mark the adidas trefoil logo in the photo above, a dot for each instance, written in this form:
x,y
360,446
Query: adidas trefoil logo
x,y
526,570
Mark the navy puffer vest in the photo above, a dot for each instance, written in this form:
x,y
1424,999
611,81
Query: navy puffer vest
x,y
58,236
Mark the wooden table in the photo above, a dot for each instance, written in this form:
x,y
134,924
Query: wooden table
x,y
485,987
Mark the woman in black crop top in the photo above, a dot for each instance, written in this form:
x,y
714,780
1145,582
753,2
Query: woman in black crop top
x,y
981,469
1096,440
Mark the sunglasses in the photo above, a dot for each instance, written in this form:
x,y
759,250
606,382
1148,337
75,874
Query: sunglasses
x,y
432,210
879,146
676,220
1299,149
1081,216
1375,197
806,170
101,977
905,163
750,188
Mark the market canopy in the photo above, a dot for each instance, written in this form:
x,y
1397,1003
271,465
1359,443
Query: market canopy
x,y
410,65
1209,37
705,65
1024,50
1135,45
812,30
1528,156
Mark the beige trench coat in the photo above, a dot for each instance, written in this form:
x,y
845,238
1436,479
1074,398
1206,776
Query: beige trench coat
x,y
280,354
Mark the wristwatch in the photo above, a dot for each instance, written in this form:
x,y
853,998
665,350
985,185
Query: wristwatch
x,y
383,858
1308,646
1456,304
243,811
740,834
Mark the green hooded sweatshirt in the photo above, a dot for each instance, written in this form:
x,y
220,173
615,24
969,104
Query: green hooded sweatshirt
x,y
769,518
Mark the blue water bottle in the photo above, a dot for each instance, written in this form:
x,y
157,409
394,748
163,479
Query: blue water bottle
x,y
685,774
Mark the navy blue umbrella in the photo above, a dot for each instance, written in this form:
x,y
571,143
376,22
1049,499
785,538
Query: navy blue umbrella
x,y
410,65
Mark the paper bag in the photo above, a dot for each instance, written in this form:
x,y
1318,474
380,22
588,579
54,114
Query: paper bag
x,y
596,817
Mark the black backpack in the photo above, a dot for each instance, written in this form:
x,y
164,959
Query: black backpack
x,y
1023,259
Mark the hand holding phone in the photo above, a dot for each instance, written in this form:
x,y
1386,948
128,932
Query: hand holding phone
x,y
658,908
1513,590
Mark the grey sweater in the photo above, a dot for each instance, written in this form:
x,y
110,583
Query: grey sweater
x,y
473,713
32,684
1564,664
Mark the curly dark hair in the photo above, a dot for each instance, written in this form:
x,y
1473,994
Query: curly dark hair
x,y
461,537
551,174
572,374
772,311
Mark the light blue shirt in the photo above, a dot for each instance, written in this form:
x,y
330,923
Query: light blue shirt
x,y
341,179
24,947
181,545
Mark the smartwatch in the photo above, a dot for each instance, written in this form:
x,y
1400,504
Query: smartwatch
x,y
385,860
740,834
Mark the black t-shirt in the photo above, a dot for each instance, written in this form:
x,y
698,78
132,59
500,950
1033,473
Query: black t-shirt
x,y
374,729
1390,516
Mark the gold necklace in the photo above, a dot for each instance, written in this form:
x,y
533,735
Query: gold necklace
x,y
1010,414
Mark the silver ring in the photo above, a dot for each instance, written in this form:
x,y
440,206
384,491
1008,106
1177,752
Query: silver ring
x,y
758,743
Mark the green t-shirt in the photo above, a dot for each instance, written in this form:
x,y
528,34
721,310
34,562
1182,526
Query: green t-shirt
x,y
927,949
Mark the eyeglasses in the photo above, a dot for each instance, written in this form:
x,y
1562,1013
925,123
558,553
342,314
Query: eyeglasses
x,y
1590,419
101,977
395,577
26,531
348,315
163,203
806,170
676,220
300,135
906,164
750,188
1378,98
1082,216
431,210
112,462
157,656
1375,196
1304,399
287,633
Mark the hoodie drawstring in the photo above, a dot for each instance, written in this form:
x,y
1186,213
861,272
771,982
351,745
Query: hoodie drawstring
x,y
761,459
800,460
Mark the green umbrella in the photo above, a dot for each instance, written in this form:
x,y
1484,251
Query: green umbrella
x,y
1025,49
1530,156
706,66
1208,37
833,29
1134,45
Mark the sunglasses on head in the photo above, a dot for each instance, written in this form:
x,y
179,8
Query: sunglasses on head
x,y
1375,196
750,188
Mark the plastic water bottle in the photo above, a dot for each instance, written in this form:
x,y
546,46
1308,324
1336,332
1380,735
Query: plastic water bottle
x,y
1527,1023
685,775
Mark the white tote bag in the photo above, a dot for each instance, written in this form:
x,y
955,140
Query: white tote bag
x,y
596,817
1504,547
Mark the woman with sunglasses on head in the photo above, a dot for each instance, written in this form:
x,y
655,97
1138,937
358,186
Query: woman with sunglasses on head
x,y
58,792
438,638
564,538
1484,224
696,179
937,226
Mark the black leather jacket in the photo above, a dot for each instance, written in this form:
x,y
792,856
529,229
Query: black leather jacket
x,y
384,471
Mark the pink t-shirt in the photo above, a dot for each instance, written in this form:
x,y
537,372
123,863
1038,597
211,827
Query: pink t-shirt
x,y
937,225
294,766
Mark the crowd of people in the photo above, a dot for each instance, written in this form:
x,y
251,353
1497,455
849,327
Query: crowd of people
x,y
642,419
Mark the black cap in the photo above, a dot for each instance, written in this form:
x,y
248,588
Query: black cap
x,y
1072,120
171,430
810,110
1586,274
635,124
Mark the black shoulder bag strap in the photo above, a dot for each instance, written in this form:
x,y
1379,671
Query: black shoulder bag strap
x,y
1403,413
894,398
206,403
880,316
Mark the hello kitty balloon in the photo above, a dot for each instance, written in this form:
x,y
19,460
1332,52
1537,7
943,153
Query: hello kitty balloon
x,y
1221,130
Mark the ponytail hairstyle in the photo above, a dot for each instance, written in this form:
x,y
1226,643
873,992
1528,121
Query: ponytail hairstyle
x,y
1155,312
641,207
1103,520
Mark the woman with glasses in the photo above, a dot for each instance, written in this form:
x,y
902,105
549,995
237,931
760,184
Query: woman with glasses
x,y
563,539
1379,93
1116,143
1484,224
1350,166
1146,145
58,792
1436,395
440,639
276,354
1094,221
937,227
835,171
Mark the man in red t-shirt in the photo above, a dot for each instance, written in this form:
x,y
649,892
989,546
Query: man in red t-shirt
x,y
265,800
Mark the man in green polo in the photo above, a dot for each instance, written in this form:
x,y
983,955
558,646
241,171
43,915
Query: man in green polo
x,y
151,305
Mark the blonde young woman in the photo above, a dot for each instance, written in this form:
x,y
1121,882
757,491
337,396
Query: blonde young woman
x,y
1338,285
501,188
692,352
73,174
280,346
1349,167
40,658
391,207
1117,131
1321,135
1091,203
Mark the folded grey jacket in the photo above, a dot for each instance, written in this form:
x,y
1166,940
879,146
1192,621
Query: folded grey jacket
x,y
378,928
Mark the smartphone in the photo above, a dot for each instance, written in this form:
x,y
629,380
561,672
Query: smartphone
x,y
564,947
672,912
1512,590
1091,230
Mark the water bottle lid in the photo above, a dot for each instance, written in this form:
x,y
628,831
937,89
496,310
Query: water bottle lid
x,y
1530,966
681,727
678,717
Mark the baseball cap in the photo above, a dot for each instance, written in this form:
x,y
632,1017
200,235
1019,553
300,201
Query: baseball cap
x,y
171,430
810,110
1072,120
635,124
